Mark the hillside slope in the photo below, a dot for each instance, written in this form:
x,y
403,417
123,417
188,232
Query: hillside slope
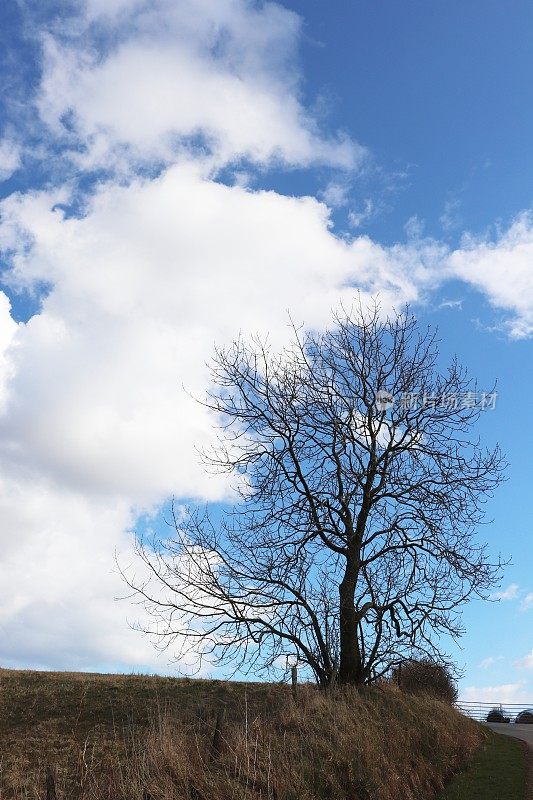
x,y
129,737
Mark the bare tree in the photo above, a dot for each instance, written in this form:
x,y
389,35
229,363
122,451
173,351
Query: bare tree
x,y
360,488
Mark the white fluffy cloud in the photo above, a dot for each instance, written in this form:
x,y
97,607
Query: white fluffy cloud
x,y
502,693
57,582
8,329
221,76
489,661
510,593
143,285
526,662
527,602
503,270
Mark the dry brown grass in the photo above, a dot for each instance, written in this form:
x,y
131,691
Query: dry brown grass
x,y
123,737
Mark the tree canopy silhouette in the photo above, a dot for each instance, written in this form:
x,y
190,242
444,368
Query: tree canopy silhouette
x,y
360,485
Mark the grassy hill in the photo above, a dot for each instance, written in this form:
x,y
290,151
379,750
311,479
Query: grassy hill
x,y
130,737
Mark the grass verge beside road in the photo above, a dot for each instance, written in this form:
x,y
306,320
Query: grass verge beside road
x,y
498,771
124,737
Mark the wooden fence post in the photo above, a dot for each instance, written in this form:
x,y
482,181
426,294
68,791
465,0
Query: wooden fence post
x,y
216,745
294,679
50,784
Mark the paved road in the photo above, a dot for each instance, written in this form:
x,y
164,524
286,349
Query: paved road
x,y
524,732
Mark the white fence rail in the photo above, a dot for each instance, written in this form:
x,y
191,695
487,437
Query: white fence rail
x,y
480,711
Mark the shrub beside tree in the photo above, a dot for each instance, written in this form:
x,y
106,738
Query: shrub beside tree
x,y
426,677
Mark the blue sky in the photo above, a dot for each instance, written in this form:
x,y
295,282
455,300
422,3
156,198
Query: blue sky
x,y
174,172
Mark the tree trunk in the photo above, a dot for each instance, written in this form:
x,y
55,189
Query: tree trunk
x,y
350,666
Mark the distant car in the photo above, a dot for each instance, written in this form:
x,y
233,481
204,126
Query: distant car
x,y
497,715
525,717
